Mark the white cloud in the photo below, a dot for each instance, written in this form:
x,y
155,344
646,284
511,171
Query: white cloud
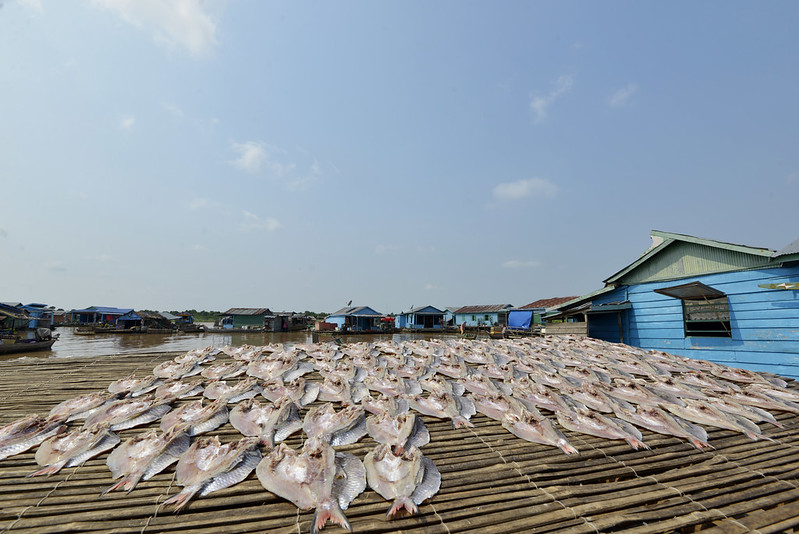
x,y
173,109
430,287
304,181
531,187
621,96
792,178
101,258
177,23
198,203
252,155
127,122
297,170
540,104
384,249
3,232
33,5
253,222
517,264
56,266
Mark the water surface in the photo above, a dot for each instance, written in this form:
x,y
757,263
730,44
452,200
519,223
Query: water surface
x,y
70,345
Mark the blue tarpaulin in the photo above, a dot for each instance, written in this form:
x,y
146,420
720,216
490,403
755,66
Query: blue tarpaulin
x,y
520,319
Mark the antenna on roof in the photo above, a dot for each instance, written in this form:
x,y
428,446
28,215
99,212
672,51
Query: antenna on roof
x,y
349,303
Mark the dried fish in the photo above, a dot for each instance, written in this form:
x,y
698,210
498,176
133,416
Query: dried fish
x,y
144,456
407,478
400,431
346,426
73,448
209,466
318,477
269,423
26,433
128,413
196,418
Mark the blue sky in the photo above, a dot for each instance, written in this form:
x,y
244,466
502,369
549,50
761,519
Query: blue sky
x,y
297,155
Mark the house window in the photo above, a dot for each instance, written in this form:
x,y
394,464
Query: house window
x,y
705,310
707,318
472,317
486,318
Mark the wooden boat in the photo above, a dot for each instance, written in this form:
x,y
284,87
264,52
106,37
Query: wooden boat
x,y
84,331
21,345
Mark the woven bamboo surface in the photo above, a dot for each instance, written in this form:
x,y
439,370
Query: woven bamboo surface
x,y
492,482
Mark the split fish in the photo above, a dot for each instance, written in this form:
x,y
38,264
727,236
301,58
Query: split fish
x,y
269,423
535,429
144,456
399,431
209,466
80,407
346,426
407,479
128,413
196,418
73,448
318,477
299,390
26,433
444,406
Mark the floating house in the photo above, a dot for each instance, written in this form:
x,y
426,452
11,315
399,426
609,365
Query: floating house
x,y
247,318
42,315
96,315
27,316
285,322
145,321
356,319
485,315
527,316
422,317
731,304
13,318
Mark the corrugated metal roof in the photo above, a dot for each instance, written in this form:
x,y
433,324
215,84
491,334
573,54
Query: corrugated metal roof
x,y
248,311
547,303
105,310
363,311
792,248
681,256
431,310
487,308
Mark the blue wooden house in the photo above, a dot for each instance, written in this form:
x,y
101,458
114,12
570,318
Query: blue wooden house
x,y
527,316
731,304
99,315
485,315
356,319
422,317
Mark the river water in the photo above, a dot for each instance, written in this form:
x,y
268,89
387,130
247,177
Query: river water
x,y
70,345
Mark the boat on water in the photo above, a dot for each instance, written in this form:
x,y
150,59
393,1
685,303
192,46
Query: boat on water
x,y
12,346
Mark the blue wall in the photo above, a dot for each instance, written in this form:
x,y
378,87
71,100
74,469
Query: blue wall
x,y
764,322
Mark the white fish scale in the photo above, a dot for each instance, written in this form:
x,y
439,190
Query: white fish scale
x,y
243,467
350,479
171,455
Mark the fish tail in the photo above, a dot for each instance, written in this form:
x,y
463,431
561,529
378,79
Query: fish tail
x,y
567,447
51,470
458,422
700,444
402,503
637,444
122,484
328,511
180,499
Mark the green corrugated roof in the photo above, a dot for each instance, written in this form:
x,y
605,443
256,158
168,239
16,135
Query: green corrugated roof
x,y
675,256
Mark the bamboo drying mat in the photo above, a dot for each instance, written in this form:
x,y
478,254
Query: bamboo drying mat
x,y
492,482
